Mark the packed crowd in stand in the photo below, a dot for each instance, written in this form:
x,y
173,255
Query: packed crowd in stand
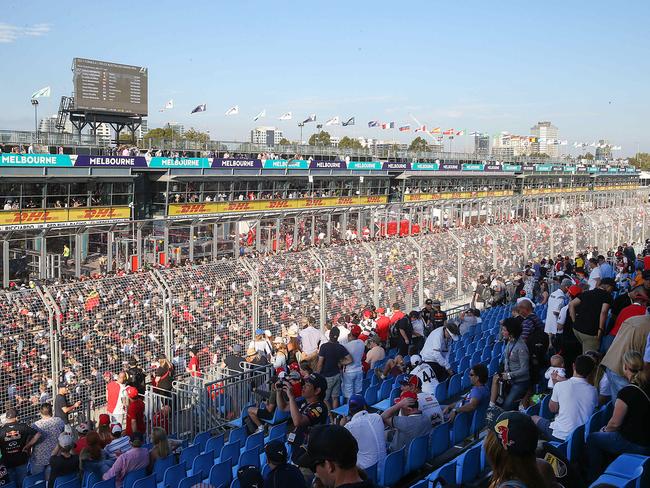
x,y
568,336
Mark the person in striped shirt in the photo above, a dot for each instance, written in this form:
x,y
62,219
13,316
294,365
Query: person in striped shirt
x,y
119,445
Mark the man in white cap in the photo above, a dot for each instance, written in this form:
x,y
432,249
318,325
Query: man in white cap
x,y
435,351
556,301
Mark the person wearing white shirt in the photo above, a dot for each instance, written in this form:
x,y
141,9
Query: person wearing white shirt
x,y
310,340
368,429
573,400
428,403
435,351
594,274
556,301
425,373
353,372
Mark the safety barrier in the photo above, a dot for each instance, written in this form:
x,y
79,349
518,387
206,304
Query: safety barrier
x,y
85,331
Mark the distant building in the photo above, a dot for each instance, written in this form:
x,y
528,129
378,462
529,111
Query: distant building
x,y
48,124
482,145
603,151
266,136
104,134
177,129
546,134
507,145
142,130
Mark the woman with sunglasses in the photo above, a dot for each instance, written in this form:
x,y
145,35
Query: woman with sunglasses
x,y
628,430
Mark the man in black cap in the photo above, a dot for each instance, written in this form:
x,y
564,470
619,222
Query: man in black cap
x,y
438,316
249,476
332,456
309,412
135,376
589,314
282,473
61,406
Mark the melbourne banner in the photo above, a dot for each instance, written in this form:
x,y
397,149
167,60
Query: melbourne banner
x,y
112,161
61,160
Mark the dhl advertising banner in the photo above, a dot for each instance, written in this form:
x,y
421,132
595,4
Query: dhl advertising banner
x,y
183,209
61,217
426,197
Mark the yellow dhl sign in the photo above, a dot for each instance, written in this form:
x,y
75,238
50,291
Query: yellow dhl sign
x,y
425,197
266,205
617,187
62,215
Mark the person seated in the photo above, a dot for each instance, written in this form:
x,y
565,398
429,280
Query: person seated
x,y
509,386
410,424
478,396
136,457
162,446
282,474
368,429
555,370
427,402
63,461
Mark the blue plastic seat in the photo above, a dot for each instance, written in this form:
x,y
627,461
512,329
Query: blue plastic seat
x,y
460,428
465,381
73,483
33,479
610,480
202,464
468,465
471,349
441,392
172,477
416,455
463,364
476,357
632,466
493,366
201,438
250,457
370,396
132,476
109,483
221,474
439,440
575,443
279,416
447,472
372,474
453,389
190,481
88,480
594,424
393,468
384,390
238,434
146,482
254,440
544,410
420,484
229,451
188,454
161,465
277,431
478,420
215,444
235,483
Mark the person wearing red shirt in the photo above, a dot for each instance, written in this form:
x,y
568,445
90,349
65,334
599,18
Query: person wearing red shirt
x,y
134,412
397,314
639,303
382,325
194,366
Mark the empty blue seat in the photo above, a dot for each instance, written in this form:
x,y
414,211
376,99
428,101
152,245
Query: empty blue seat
x,y
172,477
464,363
190,481
446,472
439,440
478,420
221,474
575,443
595,423
460,428
65,479
476,358
231,450
453,389
277,431
133,476
384,390
370,396
215,444
146,482
109,483
441,392
420,484
201,438
486,355
468,465
161,465
188,454
33,479
493,366
89,480
254,440
202,464
73,483
238,434
250,457
393,468
465,381
610,480
632,466
416,455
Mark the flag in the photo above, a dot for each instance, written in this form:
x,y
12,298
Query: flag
x,y
563,143
388,125
350,121
533,139
421,129
43,92
448,132
286,116
373,123
311,118
92,301
333,121
460,133
169,104
199,108
435,130
405,128
319,126
233,110
260,115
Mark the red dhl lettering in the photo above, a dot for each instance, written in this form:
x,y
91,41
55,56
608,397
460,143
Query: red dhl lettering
x,y
192,208
416,197
344,201
36,216
316,202
279,204
239,206
374,199
99,213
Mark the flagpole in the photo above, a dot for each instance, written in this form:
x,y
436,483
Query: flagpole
x,y
35,104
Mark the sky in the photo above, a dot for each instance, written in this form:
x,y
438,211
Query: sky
x,y
474,65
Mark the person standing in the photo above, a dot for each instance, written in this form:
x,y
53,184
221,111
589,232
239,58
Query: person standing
x,y
134,412
353,372
65,254
556,301
589,314
62,408
331,357
49,427
435,351
16,442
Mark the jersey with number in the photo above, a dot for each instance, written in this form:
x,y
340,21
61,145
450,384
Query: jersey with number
x,y
430,407
427,376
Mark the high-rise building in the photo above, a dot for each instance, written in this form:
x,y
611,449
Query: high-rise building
x,y
142,130
507,145
104,134
482,145
546,134
177,129
267,136
48,124
603,151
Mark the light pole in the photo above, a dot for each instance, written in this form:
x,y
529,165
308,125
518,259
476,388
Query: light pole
x,y
301,125
35,105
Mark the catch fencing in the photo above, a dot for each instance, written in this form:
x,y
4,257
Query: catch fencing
x,y
84,332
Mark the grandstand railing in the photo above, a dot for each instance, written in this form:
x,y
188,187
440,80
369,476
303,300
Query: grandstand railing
x,y
85,331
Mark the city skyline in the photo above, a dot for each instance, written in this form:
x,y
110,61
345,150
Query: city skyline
x,y
492,72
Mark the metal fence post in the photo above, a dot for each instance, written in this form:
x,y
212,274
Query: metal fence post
x,y
459,264
255,292
521,229
574,226
323,293
552,236
420,272
53,314
375,274
494,246
166,292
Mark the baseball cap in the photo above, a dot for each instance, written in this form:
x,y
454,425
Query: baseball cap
x,y
276,452
566,282
329,443
574,290
250,477
411,380
405,395
317,380
131,391
608,281
115,428
381,310
436,303
82,428
428,301
516,432
415,359
65,440
453,329
236,349
259,331
104,419
356,404
355,331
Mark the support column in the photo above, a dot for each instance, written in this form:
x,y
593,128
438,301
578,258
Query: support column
x,y
110,237
5,264
215,242
313,230
328,237
138,244
42,268
278,227
191,243
258,235
294,243
166,244
77,254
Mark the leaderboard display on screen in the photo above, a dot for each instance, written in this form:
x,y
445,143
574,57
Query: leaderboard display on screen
x,y
109,87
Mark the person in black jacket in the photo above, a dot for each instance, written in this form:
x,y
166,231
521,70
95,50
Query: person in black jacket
x,y
282,473
135,376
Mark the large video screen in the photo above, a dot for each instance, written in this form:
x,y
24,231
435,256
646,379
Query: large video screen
x,y
109,87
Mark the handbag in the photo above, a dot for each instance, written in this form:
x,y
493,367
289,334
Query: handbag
x,y
504,387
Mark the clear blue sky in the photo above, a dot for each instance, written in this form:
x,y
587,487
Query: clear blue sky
x,y
475,65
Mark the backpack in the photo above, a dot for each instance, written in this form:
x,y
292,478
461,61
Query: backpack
x,y
537,343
